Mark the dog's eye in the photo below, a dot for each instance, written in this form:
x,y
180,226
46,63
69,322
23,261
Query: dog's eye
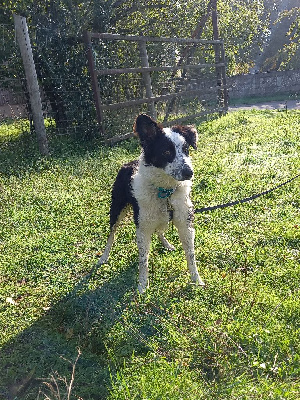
x,y
168,155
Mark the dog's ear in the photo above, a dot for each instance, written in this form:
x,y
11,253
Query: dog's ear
x,y
189,132
146,128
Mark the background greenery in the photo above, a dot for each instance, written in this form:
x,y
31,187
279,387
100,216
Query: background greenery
x,y
236,339
249,28
259,35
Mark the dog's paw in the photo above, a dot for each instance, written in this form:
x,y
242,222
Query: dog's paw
x,y
197,280
102,257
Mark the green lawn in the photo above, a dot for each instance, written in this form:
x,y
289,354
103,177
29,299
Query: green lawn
x,y
239,338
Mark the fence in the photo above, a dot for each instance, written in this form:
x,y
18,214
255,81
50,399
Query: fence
x,y
12,97
61,67
174,79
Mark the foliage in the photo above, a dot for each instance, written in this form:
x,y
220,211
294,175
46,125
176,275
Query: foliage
x,y
242,24
236,339
57,29
290,54
279,48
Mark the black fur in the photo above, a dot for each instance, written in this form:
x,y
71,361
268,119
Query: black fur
x,y
122,193
189,133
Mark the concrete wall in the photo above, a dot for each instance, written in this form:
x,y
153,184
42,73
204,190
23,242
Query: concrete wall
x,y
264,84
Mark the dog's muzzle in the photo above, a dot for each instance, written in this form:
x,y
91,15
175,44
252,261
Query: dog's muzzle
x,y
187,173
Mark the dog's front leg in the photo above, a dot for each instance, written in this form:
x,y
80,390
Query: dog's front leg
x,y
186,232
143,243
187,236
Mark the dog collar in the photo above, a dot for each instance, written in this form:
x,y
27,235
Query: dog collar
x,y
164,193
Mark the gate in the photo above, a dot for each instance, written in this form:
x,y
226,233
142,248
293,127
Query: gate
x,y
172,79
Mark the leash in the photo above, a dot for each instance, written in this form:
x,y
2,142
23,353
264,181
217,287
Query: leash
x,y
246,199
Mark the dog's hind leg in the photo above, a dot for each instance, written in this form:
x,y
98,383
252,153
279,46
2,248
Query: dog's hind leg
x,y
103,259
121,197
167,245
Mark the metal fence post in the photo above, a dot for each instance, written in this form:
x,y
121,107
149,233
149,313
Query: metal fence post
x,y
94,80
23,39
224,78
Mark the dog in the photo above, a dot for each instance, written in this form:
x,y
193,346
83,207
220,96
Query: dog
x,y
159,180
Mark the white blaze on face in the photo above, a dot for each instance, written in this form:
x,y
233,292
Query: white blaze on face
x,y
181,164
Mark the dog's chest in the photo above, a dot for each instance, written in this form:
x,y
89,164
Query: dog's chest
x,y
152,208
147,196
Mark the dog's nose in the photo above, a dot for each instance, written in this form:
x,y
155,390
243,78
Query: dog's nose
x,y
187,172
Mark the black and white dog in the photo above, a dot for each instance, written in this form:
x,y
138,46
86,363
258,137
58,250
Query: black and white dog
x,y
158,181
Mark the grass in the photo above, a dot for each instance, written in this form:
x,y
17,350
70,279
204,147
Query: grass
x,y
263,99
236,339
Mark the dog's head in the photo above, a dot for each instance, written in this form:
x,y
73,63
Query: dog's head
x,y
167,148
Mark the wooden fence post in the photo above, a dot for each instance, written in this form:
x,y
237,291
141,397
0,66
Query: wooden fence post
x,y
23,39
217,49
219,58
147,77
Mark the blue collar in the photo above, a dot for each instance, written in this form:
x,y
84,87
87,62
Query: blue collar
x,y
164,193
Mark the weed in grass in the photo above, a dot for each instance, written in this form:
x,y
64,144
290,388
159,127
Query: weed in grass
x,y
52,386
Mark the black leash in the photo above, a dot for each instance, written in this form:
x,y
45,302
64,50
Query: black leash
x,y
246,199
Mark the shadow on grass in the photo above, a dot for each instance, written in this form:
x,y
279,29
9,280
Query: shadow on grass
x,y
19,153
82,319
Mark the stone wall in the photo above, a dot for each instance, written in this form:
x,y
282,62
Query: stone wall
x,y
264,84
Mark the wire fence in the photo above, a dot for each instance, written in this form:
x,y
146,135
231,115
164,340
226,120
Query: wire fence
x,y
64,82
12,93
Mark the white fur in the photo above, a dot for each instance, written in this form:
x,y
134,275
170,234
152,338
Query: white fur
x,y
181,159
